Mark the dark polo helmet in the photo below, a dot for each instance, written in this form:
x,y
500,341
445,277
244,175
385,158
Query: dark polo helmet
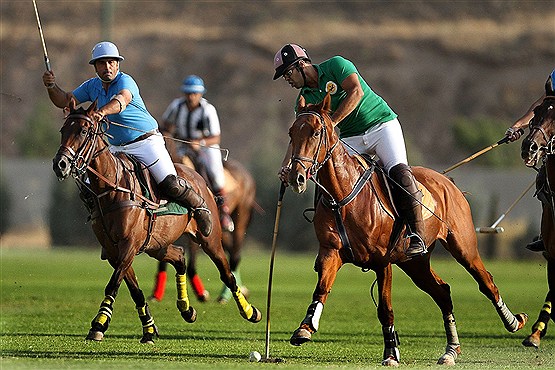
x,y
287,56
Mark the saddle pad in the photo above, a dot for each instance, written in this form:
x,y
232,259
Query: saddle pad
x,y
427,200
171,208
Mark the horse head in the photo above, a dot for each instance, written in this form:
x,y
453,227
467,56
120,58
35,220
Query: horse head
x,y
312,141
540,140
78,143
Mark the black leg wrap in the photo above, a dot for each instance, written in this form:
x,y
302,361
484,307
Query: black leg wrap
x,y
391,342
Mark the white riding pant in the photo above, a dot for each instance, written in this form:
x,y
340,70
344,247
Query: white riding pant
x,y
152,153
214,166
384,140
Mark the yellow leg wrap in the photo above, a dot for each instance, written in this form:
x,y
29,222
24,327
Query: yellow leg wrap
x,y
182,298
547,307
244,307
105,312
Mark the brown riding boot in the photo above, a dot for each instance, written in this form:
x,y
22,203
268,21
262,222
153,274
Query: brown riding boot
x,y
408,202
179,190
225,219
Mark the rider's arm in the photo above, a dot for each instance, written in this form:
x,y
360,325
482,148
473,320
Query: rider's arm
x,y
352,87
513,132
116,105
284,170
59,97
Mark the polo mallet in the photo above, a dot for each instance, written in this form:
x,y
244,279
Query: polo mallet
x,y
267,357
477,154
494,229
46,60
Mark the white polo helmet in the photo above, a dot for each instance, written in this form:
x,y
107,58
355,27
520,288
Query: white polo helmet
x,y
105,49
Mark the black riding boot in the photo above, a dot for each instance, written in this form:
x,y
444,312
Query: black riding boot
x,y
536,245
408,202
179,190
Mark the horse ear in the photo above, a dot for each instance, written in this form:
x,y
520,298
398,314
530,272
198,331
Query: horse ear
x,y
301,104
92,107
71,104
326,103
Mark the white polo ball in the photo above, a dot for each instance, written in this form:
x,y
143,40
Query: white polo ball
x,y
254,356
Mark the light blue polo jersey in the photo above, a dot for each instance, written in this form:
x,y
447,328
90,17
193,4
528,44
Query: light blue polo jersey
x,y
134,115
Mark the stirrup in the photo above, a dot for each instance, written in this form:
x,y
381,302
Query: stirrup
x,y
415,249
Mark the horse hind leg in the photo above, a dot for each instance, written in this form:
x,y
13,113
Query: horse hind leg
x,y
539,329
471,261
215,251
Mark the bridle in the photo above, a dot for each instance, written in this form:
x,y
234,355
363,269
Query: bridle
x,y
536,151
323,143
80,158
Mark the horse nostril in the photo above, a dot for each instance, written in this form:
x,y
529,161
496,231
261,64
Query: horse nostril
x,y
300,179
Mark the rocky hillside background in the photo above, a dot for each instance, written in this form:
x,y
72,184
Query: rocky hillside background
x,y
433,61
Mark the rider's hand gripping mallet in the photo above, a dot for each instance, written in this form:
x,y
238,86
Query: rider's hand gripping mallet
x,y
494,229
477,154
272,257
46,60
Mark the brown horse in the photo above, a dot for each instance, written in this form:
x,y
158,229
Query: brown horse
x,y
240,193
126,222
538,147
354,220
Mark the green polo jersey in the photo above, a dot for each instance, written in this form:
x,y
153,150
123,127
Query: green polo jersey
x,y
370,111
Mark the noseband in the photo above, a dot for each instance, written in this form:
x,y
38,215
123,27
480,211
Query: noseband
x,y
315,165
80,159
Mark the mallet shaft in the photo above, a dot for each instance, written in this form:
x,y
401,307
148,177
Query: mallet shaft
x,y
46,60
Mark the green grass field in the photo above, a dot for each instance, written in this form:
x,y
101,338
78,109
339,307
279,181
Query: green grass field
x,y
48,299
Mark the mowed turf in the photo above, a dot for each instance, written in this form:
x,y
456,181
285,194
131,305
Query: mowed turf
x,y
48,299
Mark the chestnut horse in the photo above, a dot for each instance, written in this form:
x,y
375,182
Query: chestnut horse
x,y
240,193
538,147
125,222
354,220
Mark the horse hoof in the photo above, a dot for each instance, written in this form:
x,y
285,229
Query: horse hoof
x,y
190,315
533,340
147,339
204,297
256,315
446,360
390,361
300,336
97,336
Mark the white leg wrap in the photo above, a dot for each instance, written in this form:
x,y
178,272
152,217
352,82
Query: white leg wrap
x,y
510,321
313,314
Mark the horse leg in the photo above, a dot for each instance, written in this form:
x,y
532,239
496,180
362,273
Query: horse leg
x,y
428,281
391,354
101,321
213,248
175,256
471,261
539,329
196,283
327,264
230,245
159,283
149,328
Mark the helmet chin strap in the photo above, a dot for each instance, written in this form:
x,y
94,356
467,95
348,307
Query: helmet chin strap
x,y
105,81
302,74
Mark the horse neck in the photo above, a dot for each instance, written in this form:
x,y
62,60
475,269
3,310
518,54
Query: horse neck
x,y
340,173
106,164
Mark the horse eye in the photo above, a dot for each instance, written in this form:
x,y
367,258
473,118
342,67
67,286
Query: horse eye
x,y
316,133
83,132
